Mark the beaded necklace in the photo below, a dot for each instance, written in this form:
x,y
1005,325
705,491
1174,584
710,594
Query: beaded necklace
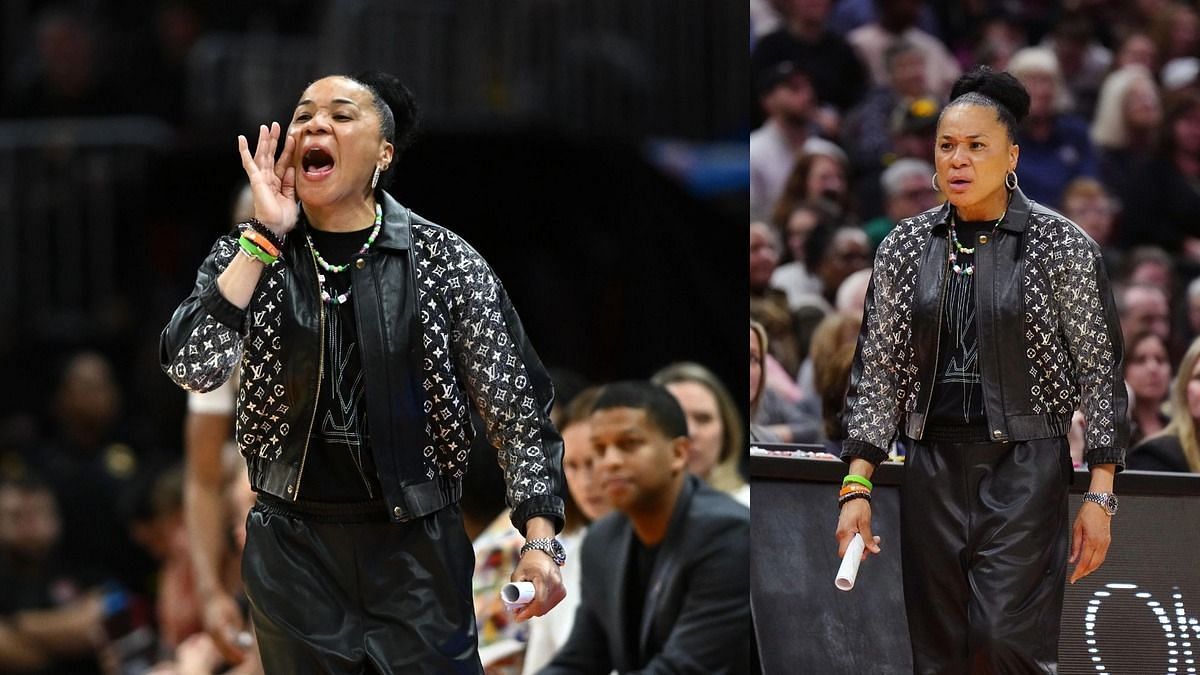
x,y
335,269
959,248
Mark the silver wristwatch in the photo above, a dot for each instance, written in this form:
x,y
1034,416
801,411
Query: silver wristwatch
x,y
550,547
1105,499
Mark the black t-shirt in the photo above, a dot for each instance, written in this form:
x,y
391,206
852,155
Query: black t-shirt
x,y
340,466
641,561
957,389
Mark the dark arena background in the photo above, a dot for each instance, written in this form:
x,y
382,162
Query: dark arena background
x,y
593,151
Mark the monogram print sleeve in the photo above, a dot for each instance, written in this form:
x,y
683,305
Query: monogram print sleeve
x,y
199,348
1088,319
495,364
874,396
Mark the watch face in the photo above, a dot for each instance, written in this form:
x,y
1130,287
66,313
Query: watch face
x,y
1107,501
551,547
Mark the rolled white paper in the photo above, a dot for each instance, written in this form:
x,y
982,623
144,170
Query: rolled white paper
x,y
848,572
517,593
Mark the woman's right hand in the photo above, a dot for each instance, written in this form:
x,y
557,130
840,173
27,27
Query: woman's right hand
x,y
273,183
856,518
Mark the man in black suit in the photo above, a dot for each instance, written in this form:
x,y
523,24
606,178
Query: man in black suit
x,y
665,578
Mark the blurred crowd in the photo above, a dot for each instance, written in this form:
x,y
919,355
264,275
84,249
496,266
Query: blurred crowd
x,y
93,552
849,93
93,59
207,66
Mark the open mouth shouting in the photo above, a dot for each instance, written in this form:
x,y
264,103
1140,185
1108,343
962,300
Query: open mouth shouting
x,y
316,163
958,183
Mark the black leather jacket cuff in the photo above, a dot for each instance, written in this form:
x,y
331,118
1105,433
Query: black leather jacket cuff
x,y
855,449
1107,455
547,506
225,312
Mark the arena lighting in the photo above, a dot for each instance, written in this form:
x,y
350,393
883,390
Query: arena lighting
x,y
1138,614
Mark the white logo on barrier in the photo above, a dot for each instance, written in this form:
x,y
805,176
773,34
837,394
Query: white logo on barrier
x,y
1180,633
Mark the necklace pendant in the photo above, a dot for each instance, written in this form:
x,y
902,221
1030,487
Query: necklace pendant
x,y
960,270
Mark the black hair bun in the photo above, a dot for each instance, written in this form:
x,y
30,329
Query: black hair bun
x,y
399,99
1001,87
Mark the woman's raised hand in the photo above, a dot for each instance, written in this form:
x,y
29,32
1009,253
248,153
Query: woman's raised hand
x,y
272,182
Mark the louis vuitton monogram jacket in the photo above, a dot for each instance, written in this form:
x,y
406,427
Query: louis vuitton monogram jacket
x,y
437,333
1049,338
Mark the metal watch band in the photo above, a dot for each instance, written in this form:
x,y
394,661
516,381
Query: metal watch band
x,y
550,547
1106,500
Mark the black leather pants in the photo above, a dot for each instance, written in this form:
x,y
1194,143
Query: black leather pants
x,y
361,597
984,535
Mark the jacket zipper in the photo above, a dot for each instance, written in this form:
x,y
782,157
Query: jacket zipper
x,y
320,375
937,345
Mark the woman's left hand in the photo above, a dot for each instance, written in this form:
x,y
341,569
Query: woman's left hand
x,y
1089,543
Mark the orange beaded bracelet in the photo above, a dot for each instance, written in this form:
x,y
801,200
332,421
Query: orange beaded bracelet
x,y
262,242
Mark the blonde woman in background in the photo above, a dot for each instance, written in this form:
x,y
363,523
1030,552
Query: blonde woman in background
x,y
1129,114
1176,448
714,425
1055,145
832,354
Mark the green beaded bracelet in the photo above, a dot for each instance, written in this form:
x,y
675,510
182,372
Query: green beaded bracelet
x,y
855,478
253,249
